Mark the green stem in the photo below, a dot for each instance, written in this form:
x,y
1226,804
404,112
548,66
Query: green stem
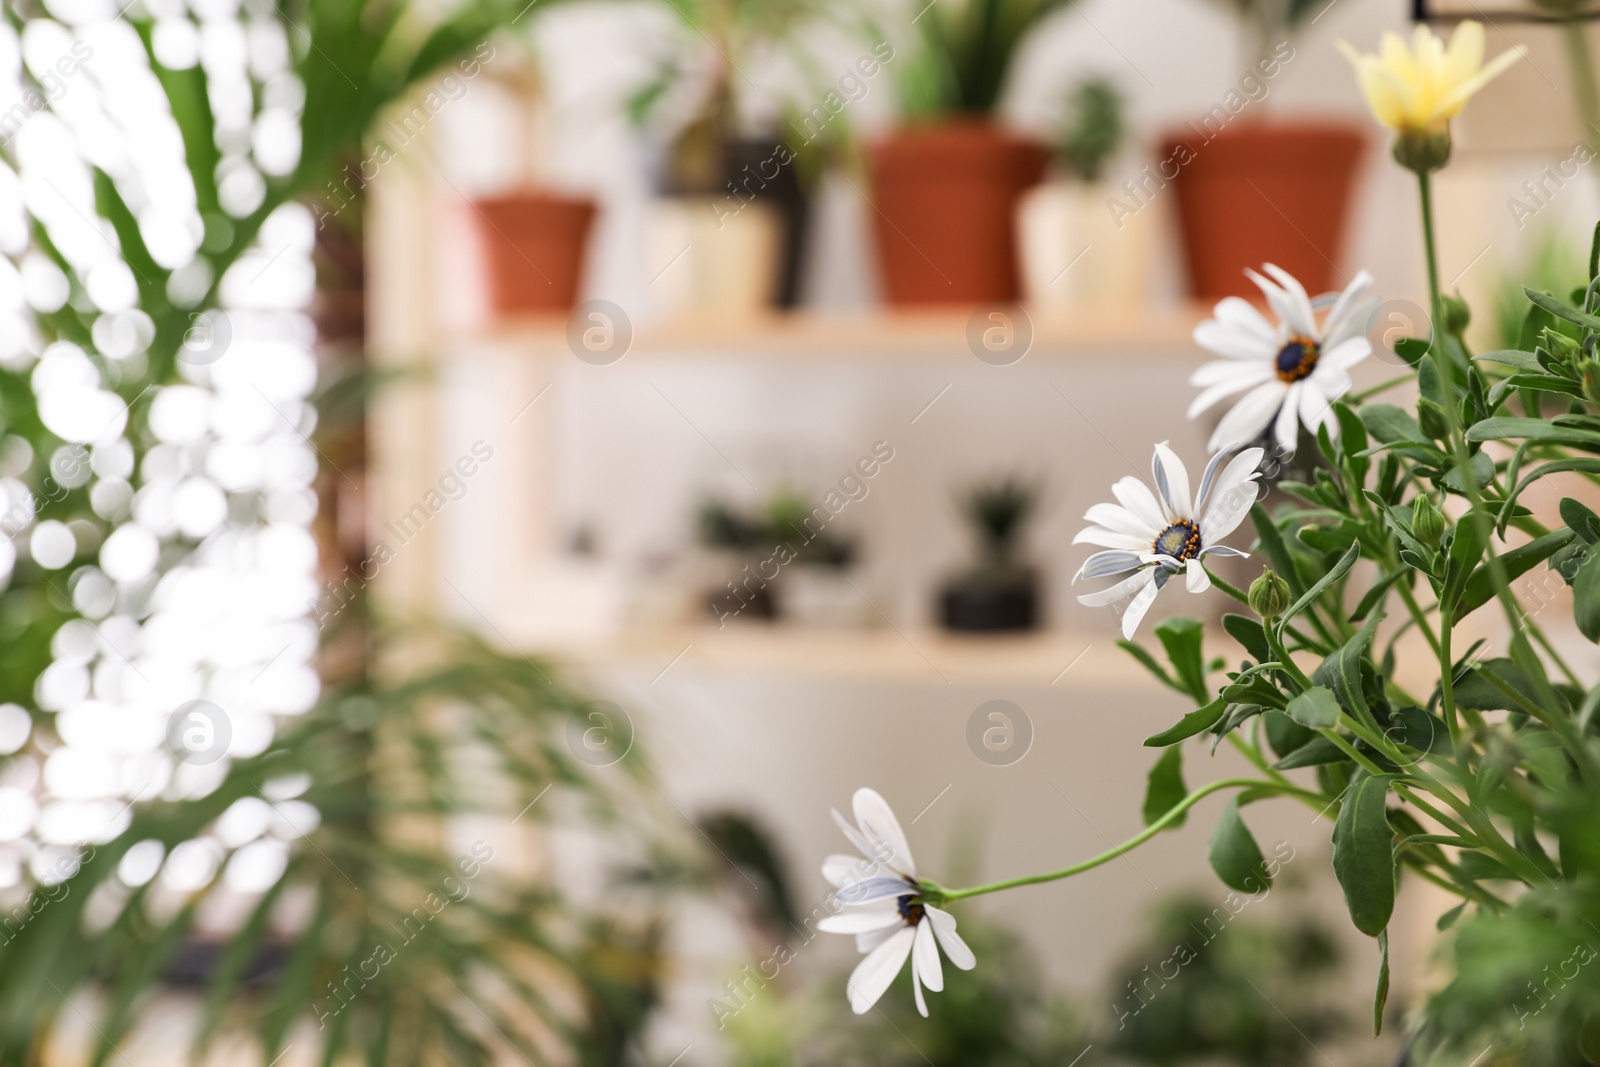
x,y
1381,387
1172,815
1577,42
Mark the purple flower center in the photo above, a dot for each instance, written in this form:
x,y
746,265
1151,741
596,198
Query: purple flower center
x,y
1181,540
911,909
1297,358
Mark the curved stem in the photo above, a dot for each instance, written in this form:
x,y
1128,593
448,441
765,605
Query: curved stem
x,y
1381,387
948,895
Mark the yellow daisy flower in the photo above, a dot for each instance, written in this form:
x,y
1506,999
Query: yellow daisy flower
x,y
1419,89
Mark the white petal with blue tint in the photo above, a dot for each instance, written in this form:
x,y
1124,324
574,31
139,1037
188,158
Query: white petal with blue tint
x,y
873,975
944,928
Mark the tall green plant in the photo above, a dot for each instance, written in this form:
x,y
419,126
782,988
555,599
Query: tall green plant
x,y
966,53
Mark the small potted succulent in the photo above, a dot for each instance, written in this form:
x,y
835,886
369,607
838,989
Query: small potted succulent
x,y
946,184
1065,220
1000,590
781,562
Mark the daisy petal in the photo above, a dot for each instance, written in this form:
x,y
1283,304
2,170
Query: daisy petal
x,y
1103,564
842,870
859,922
1224,550
1137,498
1316,410
1243,378
925,958
1235,344
855,836
1235,490
1205,482
1286,428
1249,417
1172,479
1117,517
1099,535
1240,315
1295,319
1342,356
916,984
865,943
873,975
1302,319
944,928
873,889
1136,609
1116,592
1197,580
881,827
1348,316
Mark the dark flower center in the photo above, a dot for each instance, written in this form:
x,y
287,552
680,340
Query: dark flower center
x,y
1181,540
1297,358
911,909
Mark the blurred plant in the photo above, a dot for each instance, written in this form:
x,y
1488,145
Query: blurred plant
x,y
965,54
1269,22
1093,129
409,938
999,1015
1549,263
1212,1006
997,512
787,518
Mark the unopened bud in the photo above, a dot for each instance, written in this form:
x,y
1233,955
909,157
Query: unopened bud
x,y
1431,418
1269,595
1423,150
1427,521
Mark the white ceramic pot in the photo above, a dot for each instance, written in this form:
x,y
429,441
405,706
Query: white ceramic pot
x,y
706,260
1077,253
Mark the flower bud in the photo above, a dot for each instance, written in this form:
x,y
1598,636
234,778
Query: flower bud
x,y
1423,150
1427,521
1269,595
1432,419
1589,370
1457,315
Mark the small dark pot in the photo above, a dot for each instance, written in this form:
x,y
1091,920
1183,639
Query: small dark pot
x,y
986,606
757,172
756,604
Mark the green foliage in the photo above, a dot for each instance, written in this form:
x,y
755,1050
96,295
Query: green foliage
x,y
1093,129
1482,782
1195,989
966,51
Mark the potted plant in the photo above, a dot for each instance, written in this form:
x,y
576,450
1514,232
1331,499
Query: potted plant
x,y
735,187
946,185
534,240
1000,590
1254,190
783,561
1066,220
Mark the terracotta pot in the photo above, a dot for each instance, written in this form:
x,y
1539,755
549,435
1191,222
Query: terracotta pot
x,y
1259,193
946,198
534,244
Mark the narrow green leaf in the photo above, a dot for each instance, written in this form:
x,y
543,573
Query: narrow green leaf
x,y
1337,571
1363,853
1165,788
1561,310
1235,856
1479,588
1512,357
1316,752
1586,598
1273,547
1284,734
1342,671
1197,721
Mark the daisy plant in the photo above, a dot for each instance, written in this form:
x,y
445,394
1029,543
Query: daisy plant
x,y
1343,678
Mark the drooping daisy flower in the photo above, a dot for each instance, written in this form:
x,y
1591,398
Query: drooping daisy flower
x,y
1293,370
1160,536
1421,88
882,906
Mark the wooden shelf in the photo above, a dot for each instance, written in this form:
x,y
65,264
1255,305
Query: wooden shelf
x,y
1063,658
904,334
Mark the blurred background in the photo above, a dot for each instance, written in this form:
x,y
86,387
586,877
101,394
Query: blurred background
x,y
481,481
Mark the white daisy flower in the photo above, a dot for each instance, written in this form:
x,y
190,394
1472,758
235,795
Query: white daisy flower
x,y
883,907
1159,537
1293,371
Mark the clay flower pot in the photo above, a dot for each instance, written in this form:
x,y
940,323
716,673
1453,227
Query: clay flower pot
x,y
1259,193
946,198
535,245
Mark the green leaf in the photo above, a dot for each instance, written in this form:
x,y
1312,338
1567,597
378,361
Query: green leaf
x,y
1316,709
1466,546
1480,587
1586,598
1381,996
1284,734
1181,638
1337,571
1363,853
1235,856
1415,728
1584,522
1391,425
1149,663
1481,468
1164,788
1197,721
1342,671
1512,357
1249,633
1277,553
1374,596
1510,428
1561,310
1316,752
